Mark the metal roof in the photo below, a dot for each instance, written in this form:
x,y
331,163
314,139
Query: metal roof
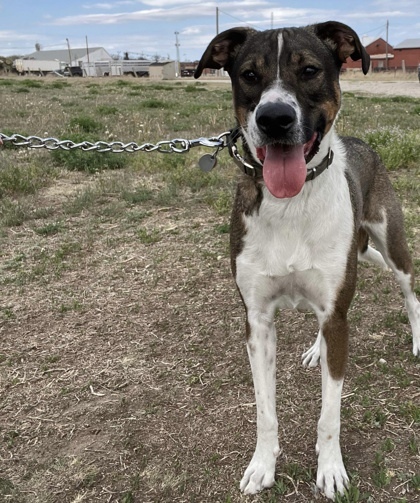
x,y
409,43
62,54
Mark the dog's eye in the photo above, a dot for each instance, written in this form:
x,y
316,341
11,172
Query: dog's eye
x,y
250,76
309,71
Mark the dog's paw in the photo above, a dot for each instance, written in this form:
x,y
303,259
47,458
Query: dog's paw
x,y
310,358
260,473
256,478
332,478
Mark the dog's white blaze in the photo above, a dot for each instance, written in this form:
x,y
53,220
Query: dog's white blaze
x,y
279,48
275,93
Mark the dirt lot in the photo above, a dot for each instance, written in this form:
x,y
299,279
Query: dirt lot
x,y
123,369
384,88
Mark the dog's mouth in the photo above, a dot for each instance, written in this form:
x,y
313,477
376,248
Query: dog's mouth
x,y
284,166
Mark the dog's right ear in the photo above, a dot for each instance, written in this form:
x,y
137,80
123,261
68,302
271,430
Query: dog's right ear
x,y
222,50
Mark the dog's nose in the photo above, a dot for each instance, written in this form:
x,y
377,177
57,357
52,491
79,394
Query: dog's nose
x,y
275,119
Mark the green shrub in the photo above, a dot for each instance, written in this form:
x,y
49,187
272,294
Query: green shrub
x,y
396,146
90,162
86,124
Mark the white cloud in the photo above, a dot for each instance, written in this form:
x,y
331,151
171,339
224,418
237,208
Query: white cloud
x,y
192,30
100,6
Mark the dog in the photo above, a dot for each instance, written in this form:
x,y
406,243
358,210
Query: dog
x,y
305,208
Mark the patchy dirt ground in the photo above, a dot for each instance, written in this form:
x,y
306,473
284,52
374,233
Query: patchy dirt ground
x,y
384,88
124,374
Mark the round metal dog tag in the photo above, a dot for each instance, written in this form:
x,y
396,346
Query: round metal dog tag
x,y
207,162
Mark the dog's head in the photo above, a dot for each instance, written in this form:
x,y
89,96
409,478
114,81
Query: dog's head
x,y
286,92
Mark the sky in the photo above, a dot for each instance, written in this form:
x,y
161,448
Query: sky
x,y
147,28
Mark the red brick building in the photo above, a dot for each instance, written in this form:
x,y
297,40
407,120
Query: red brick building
x,y
407,55
381,56
404,56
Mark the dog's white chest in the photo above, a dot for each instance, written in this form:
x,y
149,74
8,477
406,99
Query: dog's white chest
x,y
295,252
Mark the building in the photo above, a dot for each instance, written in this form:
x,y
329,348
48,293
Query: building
x,y
381,54
404,56
163,70
72,57
407,54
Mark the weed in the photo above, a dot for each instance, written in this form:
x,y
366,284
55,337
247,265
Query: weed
x,y
194,89
156,103
148,237
415,482
413,446
388,445
380,476
411,411
59,84
138,196
49,229
351,495
90,162
85,124
7,82
12,213
107,110
396,146
24,178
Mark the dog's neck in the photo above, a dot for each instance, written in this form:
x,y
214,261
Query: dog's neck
x,y
252,167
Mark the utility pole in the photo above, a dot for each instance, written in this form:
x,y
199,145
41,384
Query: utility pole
x,y
177,55
386,45
87,50
217,20
68,47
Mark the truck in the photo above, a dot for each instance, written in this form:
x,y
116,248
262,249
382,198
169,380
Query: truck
x,y
37,66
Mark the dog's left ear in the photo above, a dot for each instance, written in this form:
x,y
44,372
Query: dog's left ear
x,y
346,41
222,49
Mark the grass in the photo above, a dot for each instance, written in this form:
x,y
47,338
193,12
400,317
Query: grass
x,y
123,370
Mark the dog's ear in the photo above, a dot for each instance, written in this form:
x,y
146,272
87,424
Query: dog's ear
x,y
222,49
346,42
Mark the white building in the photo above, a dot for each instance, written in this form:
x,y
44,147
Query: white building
x,y
74,57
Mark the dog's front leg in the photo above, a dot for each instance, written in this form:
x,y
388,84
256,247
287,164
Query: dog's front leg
x,y
331,476
261,346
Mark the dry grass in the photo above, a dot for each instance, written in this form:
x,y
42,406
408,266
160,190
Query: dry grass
x,y
124,375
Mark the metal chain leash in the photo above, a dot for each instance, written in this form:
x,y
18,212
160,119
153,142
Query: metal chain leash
x,y
206,163
178,145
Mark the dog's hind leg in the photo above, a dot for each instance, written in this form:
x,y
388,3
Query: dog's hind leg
x,y
310,358
389,238
368,254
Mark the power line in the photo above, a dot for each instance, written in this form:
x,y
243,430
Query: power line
x,y
236,18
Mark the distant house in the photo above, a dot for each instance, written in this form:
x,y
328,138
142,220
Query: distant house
x,y
407,54
74,57
404,56
380,54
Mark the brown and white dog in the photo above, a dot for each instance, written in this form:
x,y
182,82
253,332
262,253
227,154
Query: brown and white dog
x,y
297,227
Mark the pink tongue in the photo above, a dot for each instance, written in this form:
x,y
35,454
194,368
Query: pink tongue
x,y
284,169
